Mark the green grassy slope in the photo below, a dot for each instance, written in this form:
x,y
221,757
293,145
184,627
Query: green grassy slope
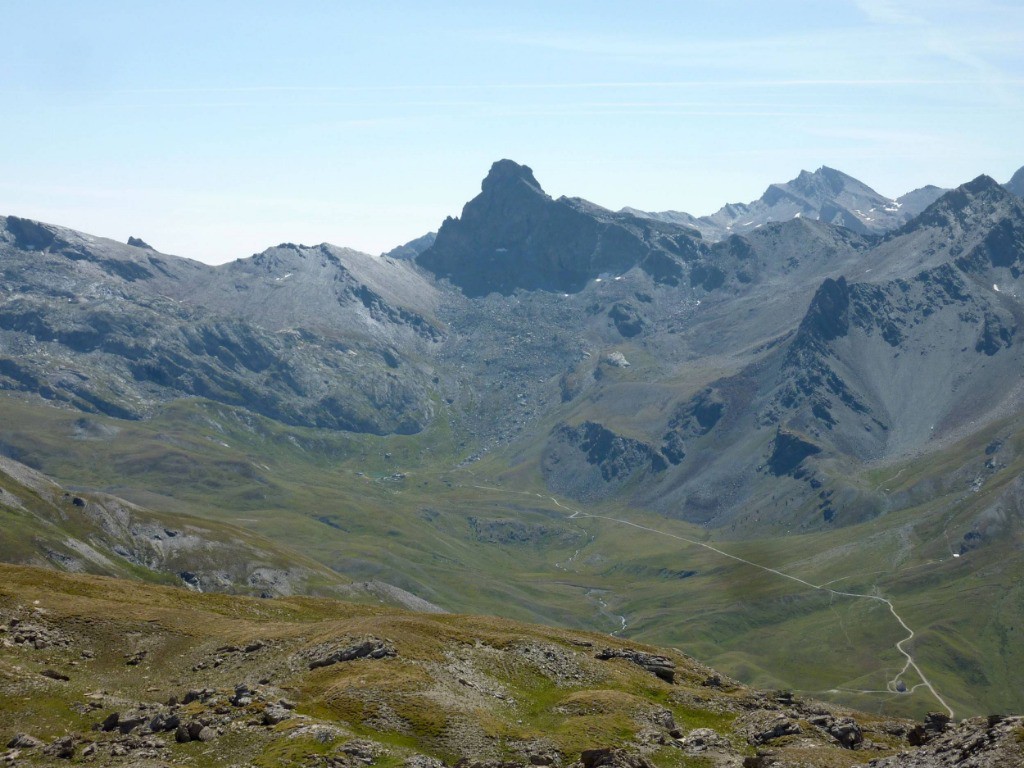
x,y
443,687
488,538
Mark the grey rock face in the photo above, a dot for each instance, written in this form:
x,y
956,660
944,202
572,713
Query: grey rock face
x,y
590,461
514,236
133,329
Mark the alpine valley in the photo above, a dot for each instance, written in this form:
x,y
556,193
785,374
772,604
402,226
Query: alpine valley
x,y
786,438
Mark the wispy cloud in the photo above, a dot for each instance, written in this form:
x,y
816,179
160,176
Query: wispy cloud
x,y
963,50
985,76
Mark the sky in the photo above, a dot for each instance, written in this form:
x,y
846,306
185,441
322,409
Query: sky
x,y
215,130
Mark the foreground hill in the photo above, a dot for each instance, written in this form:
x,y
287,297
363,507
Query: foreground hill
x,y
103,671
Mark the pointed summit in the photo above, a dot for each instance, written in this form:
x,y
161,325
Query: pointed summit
x,y
956,205
825,182
514,236
827,195
981,184
978,226
508,173
1016,183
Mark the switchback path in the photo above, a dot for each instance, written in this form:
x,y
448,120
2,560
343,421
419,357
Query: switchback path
x,y
910,663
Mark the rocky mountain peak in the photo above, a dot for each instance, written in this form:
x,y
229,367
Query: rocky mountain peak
x,y
506,174
826,181
980,185
962,203
1016,183
826,185
28,234
513,235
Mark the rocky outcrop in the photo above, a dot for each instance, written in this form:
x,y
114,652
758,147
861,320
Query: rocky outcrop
x,y
589,460
369,648
992,742
691,420
844,730
828,316
788,452
660,666
997,331
30,235
628,321
763,726
605,757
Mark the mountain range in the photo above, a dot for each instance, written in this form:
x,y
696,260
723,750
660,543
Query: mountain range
x,y
677,428
825,195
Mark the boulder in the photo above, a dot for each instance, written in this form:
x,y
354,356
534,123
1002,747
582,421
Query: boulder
x,y
370,648
24,741
607,757
844,730
275,714
660,666
762,726
63,748
703,739
165,721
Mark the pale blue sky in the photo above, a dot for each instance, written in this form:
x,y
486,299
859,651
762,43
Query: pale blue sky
x,y
217,129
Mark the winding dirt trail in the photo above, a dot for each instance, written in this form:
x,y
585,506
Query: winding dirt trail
x,y
910,663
